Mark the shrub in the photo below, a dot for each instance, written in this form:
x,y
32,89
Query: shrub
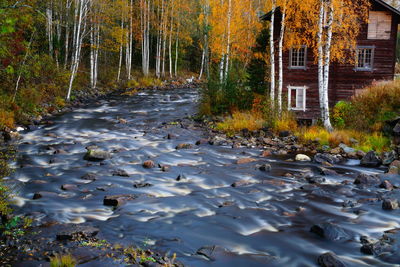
x,y
6,119
62,261
341,112
375,105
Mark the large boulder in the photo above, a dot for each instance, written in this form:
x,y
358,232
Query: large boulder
x,y
302,157
371,160
76,232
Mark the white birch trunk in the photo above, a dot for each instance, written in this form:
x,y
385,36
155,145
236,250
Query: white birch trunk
x,y
272,53
280,58
321,57
121,48
228,43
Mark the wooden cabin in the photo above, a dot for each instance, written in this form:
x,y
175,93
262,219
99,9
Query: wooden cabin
x,y
375,61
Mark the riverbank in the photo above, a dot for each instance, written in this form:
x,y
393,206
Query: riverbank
x,y
144,171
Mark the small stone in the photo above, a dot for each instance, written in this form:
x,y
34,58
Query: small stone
x,y
241,183
164,168
265,167
117,200
68,187
180,177
122,121
329,259
89,176
148,164
390,204
330,231
245,160
184,146
302,157
96,155
202,142
326,171
141,185
387,185
266,153
120,172
39,195
336,151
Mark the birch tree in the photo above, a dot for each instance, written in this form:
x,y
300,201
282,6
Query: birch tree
x,y
80,23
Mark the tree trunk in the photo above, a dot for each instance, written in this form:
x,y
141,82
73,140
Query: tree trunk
x,y
280,58
272,53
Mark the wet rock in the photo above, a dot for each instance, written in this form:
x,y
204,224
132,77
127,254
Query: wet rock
x,y
226,204
164,168
346,149
386,247
42,194
171,136
330,259
96,155
202,142
281,152
315,180
336,151
371,160
180,177
326,171
122,121
265,167
330,232
388,157
245,160
148,164
10,136
89,176
242,183
117,200
60,152
390,204
184,146
266,153
366,179
74,231
120,172
386,185
394,167
302,157
325,157
68,187
211,252
141,185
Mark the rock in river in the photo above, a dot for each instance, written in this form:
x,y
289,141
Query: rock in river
x,y
329,259
120,172
390,204
330,231
117,200
371,160
74,231
148,164
365,179
96,155
302,157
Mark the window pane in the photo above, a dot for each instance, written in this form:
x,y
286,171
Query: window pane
x,y
293,98
300,98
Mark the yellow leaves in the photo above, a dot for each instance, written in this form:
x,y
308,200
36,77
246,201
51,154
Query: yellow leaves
x,y
243,27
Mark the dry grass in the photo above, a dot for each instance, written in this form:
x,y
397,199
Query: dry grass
x,y
366,141
286,122
62,261
6,119
241,120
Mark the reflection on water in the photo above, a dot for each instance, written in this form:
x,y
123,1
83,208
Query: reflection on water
x,y
265,223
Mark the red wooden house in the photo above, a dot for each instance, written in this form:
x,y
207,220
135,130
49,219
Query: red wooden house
x,y
375,61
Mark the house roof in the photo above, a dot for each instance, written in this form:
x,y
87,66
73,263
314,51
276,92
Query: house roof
x,y
267,17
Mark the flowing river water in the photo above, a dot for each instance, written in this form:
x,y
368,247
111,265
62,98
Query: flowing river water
x,y
265,223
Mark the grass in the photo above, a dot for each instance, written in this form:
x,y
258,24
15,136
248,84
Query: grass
x,y
241,120
62,261
365,141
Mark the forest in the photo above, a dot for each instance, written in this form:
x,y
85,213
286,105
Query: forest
x,y
199,133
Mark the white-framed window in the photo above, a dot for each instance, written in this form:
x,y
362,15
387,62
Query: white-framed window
x,y
297,97
364,58
298,57
379,25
